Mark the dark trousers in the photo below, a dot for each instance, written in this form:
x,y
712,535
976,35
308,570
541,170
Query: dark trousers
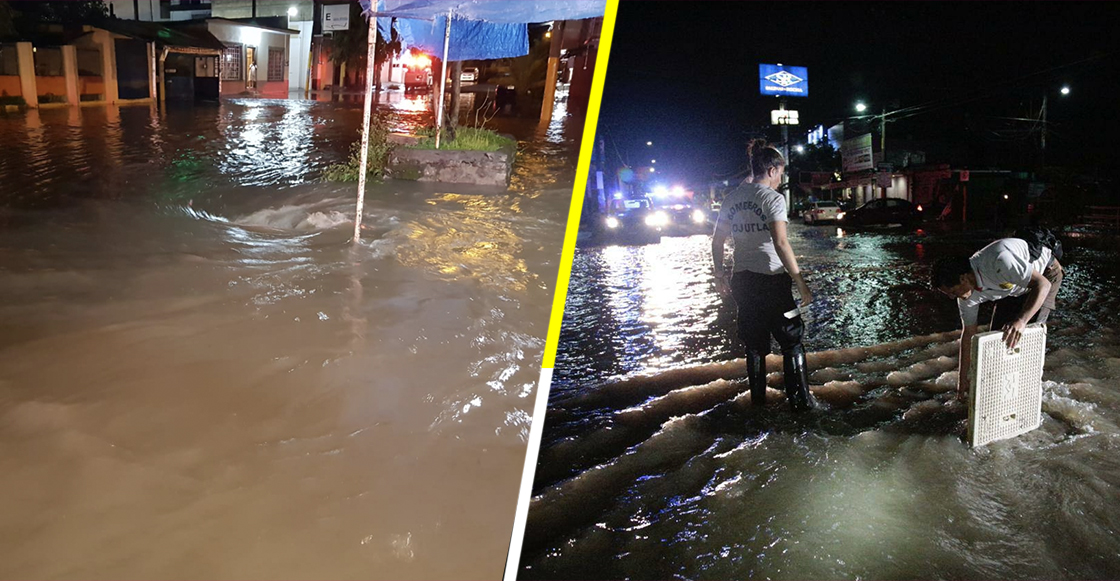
x,y
762,299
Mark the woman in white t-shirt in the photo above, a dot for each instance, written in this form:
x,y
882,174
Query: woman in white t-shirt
x,y
754,217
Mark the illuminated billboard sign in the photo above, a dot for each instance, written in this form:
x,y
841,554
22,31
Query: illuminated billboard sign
x,y
783,81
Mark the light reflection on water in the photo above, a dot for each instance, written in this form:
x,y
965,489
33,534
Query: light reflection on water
x,y
200,377
654,463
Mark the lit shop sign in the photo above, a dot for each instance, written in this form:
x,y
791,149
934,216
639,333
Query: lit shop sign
x,y
816,135
783,81
336,17
783,117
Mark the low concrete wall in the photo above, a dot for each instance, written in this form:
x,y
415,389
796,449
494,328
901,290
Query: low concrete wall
x,y
10,85
484,168
54,86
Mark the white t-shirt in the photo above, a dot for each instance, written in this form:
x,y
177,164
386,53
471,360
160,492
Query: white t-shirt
x,y
1003,269
749,210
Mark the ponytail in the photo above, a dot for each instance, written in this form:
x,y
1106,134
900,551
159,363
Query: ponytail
x,y
762,157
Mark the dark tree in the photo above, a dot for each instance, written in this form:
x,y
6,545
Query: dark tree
x,y
26,15
350,46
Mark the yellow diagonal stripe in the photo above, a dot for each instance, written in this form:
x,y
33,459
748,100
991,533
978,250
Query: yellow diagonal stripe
x,y
586,147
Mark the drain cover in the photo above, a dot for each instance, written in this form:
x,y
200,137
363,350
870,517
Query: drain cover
x,y
1005,398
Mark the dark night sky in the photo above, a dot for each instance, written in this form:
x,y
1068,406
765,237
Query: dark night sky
x,y
685,75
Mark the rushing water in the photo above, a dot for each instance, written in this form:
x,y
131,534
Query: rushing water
x,y
201,378
654,464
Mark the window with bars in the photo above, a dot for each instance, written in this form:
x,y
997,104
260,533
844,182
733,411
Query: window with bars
x,y
9,60
48,61
275,64
89,62
232,63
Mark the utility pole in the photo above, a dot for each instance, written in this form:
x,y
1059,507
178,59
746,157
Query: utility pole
x,y
883,145
785,148
1042,156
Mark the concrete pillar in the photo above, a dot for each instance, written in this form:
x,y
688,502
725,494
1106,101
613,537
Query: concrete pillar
x,y
27,74
70,73
553,68
162,76
108,66
152,68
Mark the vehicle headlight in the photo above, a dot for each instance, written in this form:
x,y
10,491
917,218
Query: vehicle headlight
x,y
612,222
839,215
657,219
699,217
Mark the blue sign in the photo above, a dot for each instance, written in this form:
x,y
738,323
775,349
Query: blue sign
x,y
783,81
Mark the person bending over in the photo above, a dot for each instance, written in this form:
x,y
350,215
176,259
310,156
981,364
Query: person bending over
x,y
1021,278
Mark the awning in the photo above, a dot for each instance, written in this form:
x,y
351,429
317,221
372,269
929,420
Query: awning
x,y
173,37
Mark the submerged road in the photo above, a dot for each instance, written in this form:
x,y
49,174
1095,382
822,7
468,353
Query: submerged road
x,y
654,464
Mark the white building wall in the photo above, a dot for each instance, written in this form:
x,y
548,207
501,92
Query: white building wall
x,y
261,40
299,47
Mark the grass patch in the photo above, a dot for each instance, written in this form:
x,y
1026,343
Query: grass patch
x,y
466,139
379,149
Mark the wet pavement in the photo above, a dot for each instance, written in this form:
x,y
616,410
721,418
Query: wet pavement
x,y
654,464
200,377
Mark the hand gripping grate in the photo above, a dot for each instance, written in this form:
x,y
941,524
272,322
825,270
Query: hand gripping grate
x,y
1005,398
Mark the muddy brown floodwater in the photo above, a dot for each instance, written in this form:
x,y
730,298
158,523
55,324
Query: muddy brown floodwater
x,y
201,378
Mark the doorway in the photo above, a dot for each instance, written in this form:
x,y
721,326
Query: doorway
x,y
251,67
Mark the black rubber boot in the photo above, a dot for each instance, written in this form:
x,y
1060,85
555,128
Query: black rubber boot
x,y
756,376
797,379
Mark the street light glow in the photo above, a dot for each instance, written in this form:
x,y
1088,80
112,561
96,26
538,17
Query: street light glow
x,y
651,169
799,148
292,11
653,161
1065,90
860,107
649,143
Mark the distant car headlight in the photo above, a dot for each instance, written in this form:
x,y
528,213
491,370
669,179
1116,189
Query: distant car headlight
x,y
657,219
612,222
840,215
699,217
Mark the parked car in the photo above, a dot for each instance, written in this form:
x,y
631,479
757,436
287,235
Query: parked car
x,y
469,75
818,212
882,211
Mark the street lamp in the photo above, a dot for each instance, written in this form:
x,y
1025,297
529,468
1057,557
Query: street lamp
x,y
799,148
860,107
292,11
649,143
1065,90
653,161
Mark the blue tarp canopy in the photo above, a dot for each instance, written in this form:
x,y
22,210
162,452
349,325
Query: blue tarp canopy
x,y
497,11
480,29
470,39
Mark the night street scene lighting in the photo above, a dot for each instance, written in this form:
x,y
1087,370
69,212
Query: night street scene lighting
x,y
276,280
932,175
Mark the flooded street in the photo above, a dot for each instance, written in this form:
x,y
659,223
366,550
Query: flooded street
x,y
654,464
201,378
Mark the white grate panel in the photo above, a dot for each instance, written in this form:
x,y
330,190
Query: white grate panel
x,y
1005,398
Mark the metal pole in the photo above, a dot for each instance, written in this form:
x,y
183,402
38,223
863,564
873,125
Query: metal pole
x,y
443,78
366,110
883,145
1043,155
785,149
